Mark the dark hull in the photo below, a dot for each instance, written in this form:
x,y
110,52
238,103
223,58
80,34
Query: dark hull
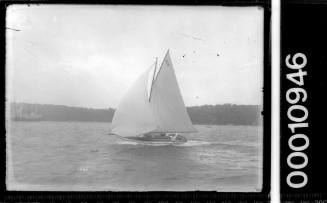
x,y
154,140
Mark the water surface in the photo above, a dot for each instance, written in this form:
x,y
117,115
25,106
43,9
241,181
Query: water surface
x,y
82,156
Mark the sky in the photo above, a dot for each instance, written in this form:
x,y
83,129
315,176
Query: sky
x,y
89,56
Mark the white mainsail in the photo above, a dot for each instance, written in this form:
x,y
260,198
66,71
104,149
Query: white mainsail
x,y
153,104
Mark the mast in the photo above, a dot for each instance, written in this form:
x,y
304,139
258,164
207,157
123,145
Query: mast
x,y
154,73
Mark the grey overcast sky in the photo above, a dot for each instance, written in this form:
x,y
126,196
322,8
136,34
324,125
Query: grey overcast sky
x,y
90,55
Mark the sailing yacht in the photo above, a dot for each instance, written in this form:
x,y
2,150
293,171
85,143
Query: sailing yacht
x,y
153,110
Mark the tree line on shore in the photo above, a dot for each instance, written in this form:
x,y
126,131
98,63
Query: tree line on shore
x,y
225,114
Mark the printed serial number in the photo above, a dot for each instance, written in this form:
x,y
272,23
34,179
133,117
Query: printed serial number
x,y
297,115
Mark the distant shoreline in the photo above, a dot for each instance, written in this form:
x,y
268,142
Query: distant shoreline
x,y
22,121
226,114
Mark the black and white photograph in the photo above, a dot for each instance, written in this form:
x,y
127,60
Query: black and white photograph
x,y
134,98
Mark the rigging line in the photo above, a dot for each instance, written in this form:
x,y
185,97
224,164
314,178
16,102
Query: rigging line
x,y
162,64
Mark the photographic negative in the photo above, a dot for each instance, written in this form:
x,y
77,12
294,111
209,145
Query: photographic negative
x,y
134,98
